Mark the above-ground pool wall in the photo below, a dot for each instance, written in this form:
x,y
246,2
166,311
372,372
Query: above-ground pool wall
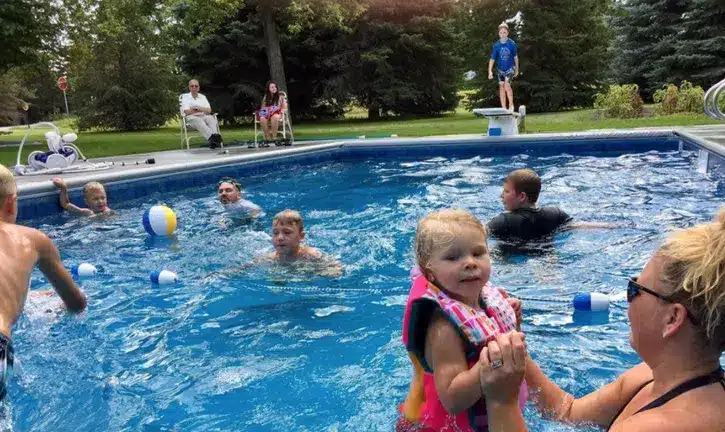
x,y
41,199
45,202
710,158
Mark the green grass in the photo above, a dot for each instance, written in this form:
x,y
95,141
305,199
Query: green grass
x,y
102,144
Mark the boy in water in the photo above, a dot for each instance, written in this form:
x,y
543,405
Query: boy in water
x,y
523,218
505,54
288,232
94,195
229,192
21,248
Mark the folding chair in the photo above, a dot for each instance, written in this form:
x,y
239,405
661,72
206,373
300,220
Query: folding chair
x,y
185,131
285,126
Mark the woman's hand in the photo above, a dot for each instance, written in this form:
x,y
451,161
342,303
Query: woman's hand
x,y
503,365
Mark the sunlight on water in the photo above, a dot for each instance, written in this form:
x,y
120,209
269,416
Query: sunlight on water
x,y
274,350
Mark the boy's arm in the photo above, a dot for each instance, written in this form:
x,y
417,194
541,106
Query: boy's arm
x,y
458,387
516,62
65,200
490,69
50,264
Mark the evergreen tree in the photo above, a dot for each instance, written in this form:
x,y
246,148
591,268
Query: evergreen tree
x,y
563,49
699,47
647,33
405,58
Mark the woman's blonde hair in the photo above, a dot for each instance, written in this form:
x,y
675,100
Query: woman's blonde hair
x,y
694,266
439,229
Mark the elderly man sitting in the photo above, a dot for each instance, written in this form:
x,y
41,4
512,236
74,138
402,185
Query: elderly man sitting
x,y
197,112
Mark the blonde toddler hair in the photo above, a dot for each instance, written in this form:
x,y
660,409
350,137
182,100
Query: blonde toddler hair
x,y
694,266
288,217
91,186
439,229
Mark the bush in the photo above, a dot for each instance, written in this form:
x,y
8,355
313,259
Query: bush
x,y
621,101
686,99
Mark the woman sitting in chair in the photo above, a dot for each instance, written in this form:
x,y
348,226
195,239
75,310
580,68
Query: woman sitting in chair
x,y
274,105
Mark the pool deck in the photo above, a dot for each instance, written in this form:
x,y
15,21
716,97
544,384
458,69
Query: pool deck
x,y
134,166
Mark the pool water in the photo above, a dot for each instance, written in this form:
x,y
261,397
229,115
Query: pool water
x,y
271,350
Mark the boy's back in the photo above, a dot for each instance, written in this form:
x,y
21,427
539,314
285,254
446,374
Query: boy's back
x,y
528,223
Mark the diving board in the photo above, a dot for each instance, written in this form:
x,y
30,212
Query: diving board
x,y
501,121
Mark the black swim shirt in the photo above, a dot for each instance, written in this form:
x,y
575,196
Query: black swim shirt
x,y
528,223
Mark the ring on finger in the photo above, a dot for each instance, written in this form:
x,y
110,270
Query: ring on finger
x,y
496,364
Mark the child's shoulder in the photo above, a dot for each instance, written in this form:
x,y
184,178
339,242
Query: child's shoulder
x,y
308,252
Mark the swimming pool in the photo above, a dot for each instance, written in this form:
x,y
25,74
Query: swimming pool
x,y
268,350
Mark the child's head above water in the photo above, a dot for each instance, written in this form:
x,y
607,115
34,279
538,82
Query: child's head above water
x,y
94,195
521,189
451,248
287,231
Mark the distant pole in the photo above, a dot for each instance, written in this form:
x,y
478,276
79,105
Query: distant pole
x,y
65,99
63,86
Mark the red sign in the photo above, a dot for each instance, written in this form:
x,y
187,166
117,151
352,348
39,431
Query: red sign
x,y
63,83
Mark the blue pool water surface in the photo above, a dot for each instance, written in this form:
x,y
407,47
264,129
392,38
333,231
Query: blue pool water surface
x,y
271,350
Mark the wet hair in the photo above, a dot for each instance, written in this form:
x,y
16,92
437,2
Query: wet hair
x,y
526,181
7,183
694,267
231,181
439,229
269,98
91,186
288,217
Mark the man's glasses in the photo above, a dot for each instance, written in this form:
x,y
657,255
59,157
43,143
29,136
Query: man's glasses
x,y
634,289
194,86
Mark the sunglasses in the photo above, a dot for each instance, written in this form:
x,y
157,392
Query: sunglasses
x,y
231,181
193,86
634,289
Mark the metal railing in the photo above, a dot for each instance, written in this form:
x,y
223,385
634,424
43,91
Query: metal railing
x,y
711,101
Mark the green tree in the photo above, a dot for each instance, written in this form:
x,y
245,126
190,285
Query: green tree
x,y
699,50
646,34
24,26
129,81
231,64
405,58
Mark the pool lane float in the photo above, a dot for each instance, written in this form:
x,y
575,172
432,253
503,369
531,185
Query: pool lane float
x,y
159,220
84,270
422,407
164,277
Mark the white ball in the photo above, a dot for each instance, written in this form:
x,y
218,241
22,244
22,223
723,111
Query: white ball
x,y
84,270
164,277
70,137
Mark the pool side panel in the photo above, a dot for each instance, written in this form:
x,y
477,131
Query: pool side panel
x,y
40,198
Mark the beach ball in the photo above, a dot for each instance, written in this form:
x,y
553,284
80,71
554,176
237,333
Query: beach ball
x,y
84,270
164,277
159,221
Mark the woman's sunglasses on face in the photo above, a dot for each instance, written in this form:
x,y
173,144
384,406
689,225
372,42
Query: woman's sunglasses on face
x,y
634,289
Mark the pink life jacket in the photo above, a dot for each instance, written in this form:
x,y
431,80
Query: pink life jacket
x,y
476,328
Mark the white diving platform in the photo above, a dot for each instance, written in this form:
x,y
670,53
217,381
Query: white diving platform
x,y
502,121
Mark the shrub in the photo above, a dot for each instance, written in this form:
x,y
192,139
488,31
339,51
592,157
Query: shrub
x,y
686,99
621,101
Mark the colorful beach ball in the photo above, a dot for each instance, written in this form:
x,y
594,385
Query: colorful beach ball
x,y
159,221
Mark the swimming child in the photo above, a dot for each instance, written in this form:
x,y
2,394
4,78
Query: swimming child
x,y
288,232
229,192
452,312
21,249
94,195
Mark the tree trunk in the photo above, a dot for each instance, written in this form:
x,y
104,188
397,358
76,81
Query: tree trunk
x,y
373,113
274,52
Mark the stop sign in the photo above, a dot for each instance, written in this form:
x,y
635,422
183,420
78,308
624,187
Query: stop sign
x,y
63,83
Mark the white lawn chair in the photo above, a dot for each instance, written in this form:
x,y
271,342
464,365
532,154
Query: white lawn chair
x,y
185,138
285,126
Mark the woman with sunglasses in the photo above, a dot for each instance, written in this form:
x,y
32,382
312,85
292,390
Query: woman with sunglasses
x,y
677,319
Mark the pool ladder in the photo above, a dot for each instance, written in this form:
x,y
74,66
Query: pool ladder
x,y
711,98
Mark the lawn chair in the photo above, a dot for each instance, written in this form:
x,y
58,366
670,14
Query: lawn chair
x,y
285,126
185,138
60,158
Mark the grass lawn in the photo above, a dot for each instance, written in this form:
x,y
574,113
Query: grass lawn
x,y
101,144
